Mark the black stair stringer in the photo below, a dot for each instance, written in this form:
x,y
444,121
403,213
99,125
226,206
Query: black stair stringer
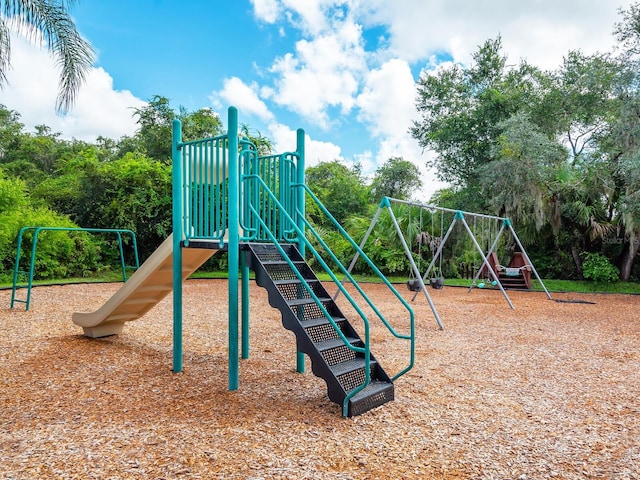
x,y
340,367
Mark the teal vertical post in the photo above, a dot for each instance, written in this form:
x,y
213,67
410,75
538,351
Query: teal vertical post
x,y
299,192
16,271
233,245
244,267
176,193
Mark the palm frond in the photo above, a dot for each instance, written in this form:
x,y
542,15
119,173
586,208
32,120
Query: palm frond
x,y
5,51
50,22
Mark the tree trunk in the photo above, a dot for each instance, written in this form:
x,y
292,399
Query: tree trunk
x,y
628,256
576,259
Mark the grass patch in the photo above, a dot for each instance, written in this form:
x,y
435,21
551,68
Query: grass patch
x,y
552,285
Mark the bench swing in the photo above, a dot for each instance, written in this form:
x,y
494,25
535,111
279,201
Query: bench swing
x,y
516,274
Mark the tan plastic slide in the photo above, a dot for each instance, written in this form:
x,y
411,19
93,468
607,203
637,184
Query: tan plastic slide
x,y
146,287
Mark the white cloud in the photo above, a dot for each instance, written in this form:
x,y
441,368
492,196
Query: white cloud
x,y
542,31
33,85
244,97
324,72
284,139
266,10
387,106
387,99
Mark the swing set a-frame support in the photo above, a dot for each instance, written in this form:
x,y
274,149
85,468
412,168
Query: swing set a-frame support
x,y
459,216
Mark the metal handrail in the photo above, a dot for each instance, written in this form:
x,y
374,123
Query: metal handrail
x,y
378,273
367,341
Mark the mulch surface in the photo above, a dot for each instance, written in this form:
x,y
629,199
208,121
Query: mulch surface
x,y
546,390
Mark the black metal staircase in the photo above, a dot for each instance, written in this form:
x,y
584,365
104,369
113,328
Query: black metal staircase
x,y
336,351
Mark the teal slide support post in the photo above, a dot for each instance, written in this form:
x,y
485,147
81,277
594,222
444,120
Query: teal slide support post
x,y
300,218
233,245
176,180
244,268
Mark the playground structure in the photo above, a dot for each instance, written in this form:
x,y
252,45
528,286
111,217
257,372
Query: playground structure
x,y
30,272
519,269
228,197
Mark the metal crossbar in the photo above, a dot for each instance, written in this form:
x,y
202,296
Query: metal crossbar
x,y
34,246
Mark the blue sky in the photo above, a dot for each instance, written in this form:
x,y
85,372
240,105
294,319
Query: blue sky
x,y
345,71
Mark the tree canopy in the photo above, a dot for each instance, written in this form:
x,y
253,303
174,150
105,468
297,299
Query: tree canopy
x,y
556,151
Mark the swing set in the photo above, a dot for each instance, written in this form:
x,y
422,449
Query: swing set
x,y
493,274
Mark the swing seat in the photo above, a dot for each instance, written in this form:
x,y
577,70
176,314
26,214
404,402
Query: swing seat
x,y
512,272
413,285
437,283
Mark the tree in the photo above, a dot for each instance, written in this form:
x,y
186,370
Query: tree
x,y
153,138
580,101
59,253
203,123
132,192
532,159
627,31
461,110
154,135
51,21
339,188
396,178
262,143
624,151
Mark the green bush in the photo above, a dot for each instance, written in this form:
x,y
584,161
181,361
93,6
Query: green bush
x,y
59,254
598,268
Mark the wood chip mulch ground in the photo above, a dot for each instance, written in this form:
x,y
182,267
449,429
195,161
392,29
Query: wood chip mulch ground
x,y
546,390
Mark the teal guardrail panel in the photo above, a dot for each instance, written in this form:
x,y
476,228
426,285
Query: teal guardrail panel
x,y
279,174
204,188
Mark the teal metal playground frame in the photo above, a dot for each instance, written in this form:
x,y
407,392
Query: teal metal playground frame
x,y
225,195
34,246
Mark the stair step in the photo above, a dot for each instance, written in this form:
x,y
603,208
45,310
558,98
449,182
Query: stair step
x,y
372,396
297,290
306,301
296,281
350,366
281,262
334,343
315,322
320,329
335,351
352,374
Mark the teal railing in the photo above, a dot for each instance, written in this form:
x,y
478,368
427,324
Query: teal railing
x,y
205,186
30,272
204,189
